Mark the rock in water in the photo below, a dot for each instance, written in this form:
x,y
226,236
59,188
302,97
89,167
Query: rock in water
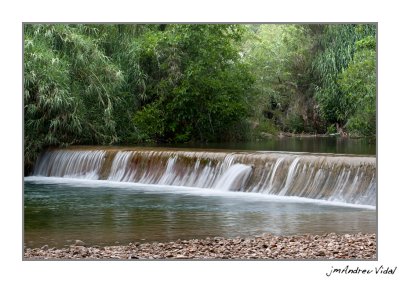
x,y
79,243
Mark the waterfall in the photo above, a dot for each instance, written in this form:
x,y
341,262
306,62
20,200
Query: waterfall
x,y
119,166
74,164
331,177
234,178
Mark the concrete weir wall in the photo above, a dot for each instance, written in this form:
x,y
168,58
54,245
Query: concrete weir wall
x,y
343,178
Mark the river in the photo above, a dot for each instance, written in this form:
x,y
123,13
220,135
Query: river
x,y
117,195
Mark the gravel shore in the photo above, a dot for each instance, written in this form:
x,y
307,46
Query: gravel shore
x,y
266,246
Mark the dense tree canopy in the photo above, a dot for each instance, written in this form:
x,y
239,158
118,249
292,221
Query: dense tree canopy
x,y
198,84
71,88
127,84
358,83
279,56
337,45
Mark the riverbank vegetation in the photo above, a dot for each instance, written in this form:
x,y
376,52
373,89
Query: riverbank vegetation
x,y
176,83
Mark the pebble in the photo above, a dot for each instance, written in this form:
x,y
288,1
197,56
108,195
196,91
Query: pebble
x,y
266,246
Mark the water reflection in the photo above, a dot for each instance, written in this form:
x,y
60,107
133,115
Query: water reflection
x,y
56,214
362,146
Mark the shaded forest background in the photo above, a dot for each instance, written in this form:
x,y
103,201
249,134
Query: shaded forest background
x,y
178,83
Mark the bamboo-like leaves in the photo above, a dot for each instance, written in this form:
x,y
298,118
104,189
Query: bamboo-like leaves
x,y
338,44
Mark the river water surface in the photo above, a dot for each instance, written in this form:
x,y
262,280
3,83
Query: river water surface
x,y
57,211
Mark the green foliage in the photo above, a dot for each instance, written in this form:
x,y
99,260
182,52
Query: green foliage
x,y
358,83
336,45
103,84
198,82
49,106
263,129
71,88
150,123
331,129
279,56
294,123
123,84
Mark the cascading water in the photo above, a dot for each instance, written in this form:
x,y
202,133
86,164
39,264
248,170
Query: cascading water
x,y
118,168
74,164
344,178
234,178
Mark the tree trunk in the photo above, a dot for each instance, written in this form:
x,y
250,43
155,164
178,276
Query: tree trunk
x,y
342,133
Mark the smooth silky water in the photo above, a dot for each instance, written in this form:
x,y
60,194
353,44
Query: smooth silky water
x,y
107,196
57,212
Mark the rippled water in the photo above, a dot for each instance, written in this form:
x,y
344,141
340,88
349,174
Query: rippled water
x,y
58,211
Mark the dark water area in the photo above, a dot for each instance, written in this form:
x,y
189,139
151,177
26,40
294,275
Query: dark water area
x,y
57,212
360,146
